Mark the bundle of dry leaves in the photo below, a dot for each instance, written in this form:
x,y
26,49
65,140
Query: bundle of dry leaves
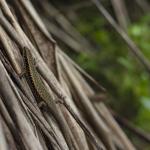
x,y
25,125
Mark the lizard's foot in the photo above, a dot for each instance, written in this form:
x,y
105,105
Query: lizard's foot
x,y
22,74
59,101
41,104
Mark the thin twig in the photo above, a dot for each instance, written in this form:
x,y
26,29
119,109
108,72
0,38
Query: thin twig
x,y
133,47
85,128
126,124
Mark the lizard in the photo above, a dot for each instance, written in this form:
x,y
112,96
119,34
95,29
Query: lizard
x,y
42,95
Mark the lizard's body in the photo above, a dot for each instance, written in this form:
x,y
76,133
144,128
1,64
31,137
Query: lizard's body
x,y
41,94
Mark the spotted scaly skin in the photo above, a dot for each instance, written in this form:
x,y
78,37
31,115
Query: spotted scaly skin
x,y
41,94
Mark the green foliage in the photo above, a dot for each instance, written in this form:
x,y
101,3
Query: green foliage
x,y
116,68
144,117
141,34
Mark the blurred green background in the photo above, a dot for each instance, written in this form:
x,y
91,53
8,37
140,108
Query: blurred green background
x,y
116,68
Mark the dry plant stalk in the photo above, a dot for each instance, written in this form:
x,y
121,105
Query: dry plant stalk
x,y
29,126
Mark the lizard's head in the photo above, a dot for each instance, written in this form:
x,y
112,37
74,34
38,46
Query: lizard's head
x,y
26,52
